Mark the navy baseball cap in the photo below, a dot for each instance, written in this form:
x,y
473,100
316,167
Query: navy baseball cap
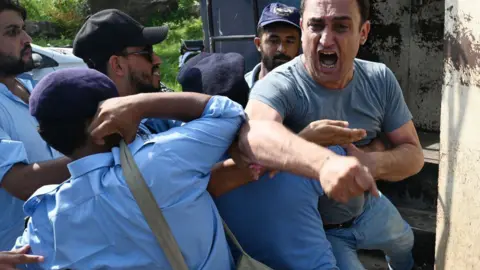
x,y
216,74
109,31
70,94
278,12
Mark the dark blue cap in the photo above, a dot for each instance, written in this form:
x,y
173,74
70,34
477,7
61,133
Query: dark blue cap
x,y
216,74
278,12
70,94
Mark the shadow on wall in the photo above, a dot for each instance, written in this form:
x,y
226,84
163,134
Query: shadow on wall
x,y
461,62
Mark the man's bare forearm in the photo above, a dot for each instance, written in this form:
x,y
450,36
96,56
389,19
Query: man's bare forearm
x,y
227,176
179,106
398,163
23,180
270,144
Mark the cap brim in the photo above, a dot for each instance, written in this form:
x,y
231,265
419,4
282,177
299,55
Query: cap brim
x,y
279,20
155,35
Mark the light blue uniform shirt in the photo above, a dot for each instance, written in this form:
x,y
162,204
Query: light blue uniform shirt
x,y
252,76
92,221
277,221
19,143
157,125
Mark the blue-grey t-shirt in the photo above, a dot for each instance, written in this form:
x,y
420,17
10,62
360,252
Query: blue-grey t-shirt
x,y
277,221
373,100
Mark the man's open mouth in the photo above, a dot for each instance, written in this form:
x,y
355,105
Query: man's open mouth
x,y
156,70
328,59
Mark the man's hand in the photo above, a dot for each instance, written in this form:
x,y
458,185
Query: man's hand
x,y
8,259
330,132
116,116
343,178
366,158
243,162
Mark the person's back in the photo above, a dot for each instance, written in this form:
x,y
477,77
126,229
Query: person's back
x,y
92,221
277,222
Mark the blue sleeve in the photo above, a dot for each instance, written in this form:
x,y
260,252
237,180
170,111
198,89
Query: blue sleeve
x,y
11,152
199,144
157,125
40,239
396,111
275,91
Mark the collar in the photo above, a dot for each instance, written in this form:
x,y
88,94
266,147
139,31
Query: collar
x,y
4,90
252,76
90,163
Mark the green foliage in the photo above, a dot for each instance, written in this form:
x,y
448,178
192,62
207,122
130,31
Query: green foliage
x,y
68,15
169,50
183,13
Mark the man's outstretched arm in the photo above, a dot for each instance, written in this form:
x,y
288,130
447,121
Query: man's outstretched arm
x,y
21,178
122,115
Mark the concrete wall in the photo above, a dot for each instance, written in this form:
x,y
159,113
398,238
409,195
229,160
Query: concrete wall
x,y
458,221
407,35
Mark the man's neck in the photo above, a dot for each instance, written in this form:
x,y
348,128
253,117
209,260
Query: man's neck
x,y
263,71
9,81
88,151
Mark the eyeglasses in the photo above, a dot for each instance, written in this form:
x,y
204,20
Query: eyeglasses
x,y
147,53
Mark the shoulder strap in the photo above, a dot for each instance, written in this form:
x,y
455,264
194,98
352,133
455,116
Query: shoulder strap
x,y
233,238
152,213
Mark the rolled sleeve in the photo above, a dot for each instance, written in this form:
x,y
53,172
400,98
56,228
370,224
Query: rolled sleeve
x,y
11,152
40,238
201,143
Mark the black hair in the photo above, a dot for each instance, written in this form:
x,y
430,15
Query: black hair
x,y
363,5
101,65
64,137
262,29
13,5
98,65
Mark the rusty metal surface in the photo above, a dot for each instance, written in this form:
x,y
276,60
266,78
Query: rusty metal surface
x,y
408,38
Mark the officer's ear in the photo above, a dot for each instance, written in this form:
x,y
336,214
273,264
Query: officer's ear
x,y
117,65
257,43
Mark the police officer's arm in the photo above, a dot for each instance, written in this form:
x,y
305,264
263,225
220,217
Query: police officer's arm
x,y
20,178
227,176
9,259
123,114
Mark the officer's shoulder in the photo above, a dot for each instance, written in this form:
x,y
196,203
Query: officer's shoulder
x,y
39,196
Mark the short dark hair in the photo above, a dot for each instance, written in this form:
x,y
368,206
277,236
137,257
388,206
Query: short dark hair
x,y
13,5
261,30
64,137
363,5
102,65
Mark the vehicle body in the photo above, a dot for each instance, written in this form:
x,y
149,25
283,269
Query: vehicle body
x,y
49,59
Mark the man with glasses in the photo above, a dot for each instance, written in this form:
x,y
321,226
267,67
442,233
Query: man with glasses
x,y
115,44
